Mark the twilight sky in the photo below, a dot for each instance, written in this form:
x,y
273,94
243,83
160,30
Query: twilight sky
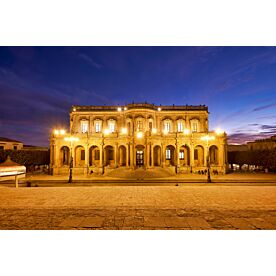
x,y
38,85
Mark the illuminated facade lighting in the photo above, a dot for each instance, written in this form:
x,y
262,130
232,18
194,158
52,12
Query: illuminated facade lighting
x,y
71,139
119,109
124,130
186,131
139,135
219,131
159,108
106,131
125,108
208,138
154,130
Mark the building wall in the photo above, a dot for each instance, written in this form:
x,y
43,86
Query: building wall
x,y
263,144
144,134
10,145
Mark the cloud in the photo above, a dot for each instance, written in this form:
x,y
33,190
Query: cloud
x,y
263,107
91,61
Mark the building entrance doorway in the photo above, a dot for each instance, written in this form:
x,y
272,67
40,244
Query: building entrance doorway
x,y
139,157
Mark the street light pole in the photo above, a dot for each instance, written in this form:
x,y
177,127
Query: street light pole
x,y
71,164
207,138
71,139
208,164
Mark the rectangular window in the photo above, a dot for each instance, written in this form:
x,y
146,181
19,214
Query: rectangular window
x,y
15,147
1,147
111,125
181,155
168,154
84,126
179,126
167,126
98,126
82,154
139,126
196,154
194,127
150,126
97,155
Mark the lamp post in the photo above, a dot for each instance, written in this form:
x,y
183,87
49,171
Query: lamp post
x,y
208,138
105,132
71,139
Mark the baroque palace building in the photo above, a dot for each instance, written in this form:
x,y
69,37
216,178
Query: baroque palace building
x,y
103,138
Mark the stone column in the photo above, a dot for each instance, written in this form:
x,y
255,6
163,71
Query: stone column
x,y
127,155
151,155
134,155
131,155
163,155
101,156
177,155
86,157
192,163
148,155
206,149
116,155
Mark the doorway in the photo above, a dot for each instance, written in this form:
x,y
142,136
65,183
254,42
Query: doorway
x,y
139,157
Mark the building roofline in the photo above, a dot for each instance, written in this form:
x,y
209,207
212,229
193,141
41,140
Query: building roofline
x,y
3,139
79,108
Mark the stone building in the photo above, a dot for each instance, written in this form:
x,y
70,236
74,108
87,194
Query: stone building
x,y
103,138
263,144
10,144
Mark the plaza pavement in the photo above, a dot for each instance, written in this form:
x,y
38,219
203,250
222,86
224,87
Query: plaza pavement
x,y
202,206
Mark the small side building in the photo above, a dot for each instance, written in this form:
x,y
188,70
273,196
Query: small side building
x,y
10,144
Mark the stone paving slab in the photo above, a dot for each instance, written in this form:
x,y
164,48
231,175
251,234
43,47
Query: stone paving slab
x,y
202,207
241,223
92,222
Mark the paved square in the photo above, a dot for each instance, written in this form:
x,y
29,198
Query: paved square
x,y
139,207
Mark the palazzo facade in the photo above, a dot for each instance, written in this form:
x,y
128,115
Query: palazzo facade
x,y
104,138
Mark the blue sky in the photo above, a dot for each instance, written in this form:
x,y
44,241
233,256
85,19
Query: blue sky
x,y
38,85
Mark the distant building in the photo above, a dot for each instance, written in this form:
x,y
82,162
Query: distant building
x,y
231,148
263,144
29,147
10,144
138,135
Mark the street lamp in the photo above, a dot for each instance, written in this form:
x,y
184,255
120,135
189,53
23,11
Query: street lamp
x,y
105,132
71,139
208,138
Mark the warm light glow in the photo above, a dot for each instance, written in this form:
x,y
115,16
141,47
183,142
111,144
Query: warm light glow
x,y
62,131
56,132
186,131
159,108
74,109
71,139
219,131
124,130
119,109
154,130
165,131
125,108
139,134
207,138
106,131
